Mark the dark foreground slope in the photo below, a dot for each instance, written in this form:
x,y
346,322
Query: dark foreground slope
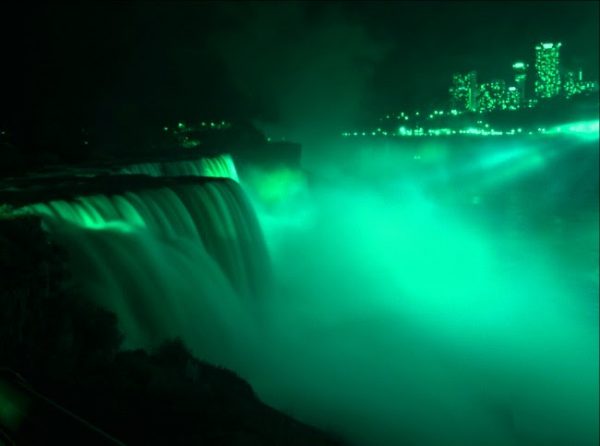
x,y
68,350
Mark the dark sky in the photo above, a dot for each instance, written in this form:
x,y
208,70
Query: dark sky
x,y
292,67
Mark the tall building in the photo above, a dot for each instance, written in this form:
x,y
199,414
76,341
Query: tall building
x,y
520,69
492,96
572,85
463,92
547,64
512,99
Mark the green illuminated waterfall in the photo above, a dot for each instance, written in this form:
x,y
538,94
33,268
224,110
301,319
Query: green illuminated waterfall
x,y
430,294
219,166
179,260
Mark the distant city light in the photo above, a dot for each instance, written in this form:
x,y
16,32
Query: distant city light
x,y
463,92
583,128
468,97
547,65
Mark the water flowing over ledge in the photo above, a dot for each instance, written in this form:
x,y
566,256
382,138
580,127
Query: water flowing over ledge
x,y
171,256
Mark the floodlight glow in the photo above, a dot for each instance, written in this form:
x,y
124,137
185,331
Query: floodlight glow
x,y
582,128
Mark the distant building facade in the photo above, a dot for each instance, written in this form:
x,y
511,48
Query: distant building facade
x,y
520,70
512,99
464,91
547,67
492,96
574,84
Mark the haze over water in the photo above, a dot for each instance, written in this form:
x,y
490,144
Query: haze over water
x,y
423,292
436,291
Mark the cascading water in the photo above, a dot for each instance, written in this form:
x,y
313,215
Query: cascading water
x,y
183,259
400,314
220,166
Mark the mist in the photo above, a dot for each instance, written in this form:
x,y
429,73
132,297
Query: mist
x,y
401,318
418,293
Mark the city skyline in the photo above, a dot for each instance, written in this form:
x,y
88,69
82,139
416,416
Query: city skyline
x,y
532,84
293,69
543,78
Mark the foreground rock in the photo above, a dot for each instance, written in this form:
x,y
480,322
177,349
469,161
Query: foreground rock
x,y
75,386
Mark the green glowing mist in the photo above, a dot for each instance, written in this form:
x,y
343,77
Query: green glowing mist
x,y
410,313
431,293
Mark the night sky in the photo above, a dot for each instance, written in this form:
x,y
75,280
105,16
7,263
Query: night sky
x,y
296,69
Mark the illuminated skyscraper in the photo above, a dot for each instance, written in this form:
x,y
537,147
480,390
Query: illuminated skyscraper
x,y
512,99
492,96
547,64
574,84
464,91
520,69
571,84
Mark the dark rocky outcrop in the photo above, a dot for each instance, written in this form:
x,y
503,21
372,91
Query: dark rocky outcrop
x,y
68,350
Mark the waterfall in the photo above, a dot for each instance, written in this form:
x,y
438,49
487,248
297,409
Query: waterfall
x,y
398,303
183,258
219,166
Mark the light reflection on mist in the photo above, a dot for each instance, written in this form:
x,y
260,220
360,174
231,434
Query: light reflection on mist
x,y
410,314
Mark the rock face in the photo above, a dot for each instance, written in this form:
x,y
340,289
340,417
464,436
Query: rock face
x,y
68,350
